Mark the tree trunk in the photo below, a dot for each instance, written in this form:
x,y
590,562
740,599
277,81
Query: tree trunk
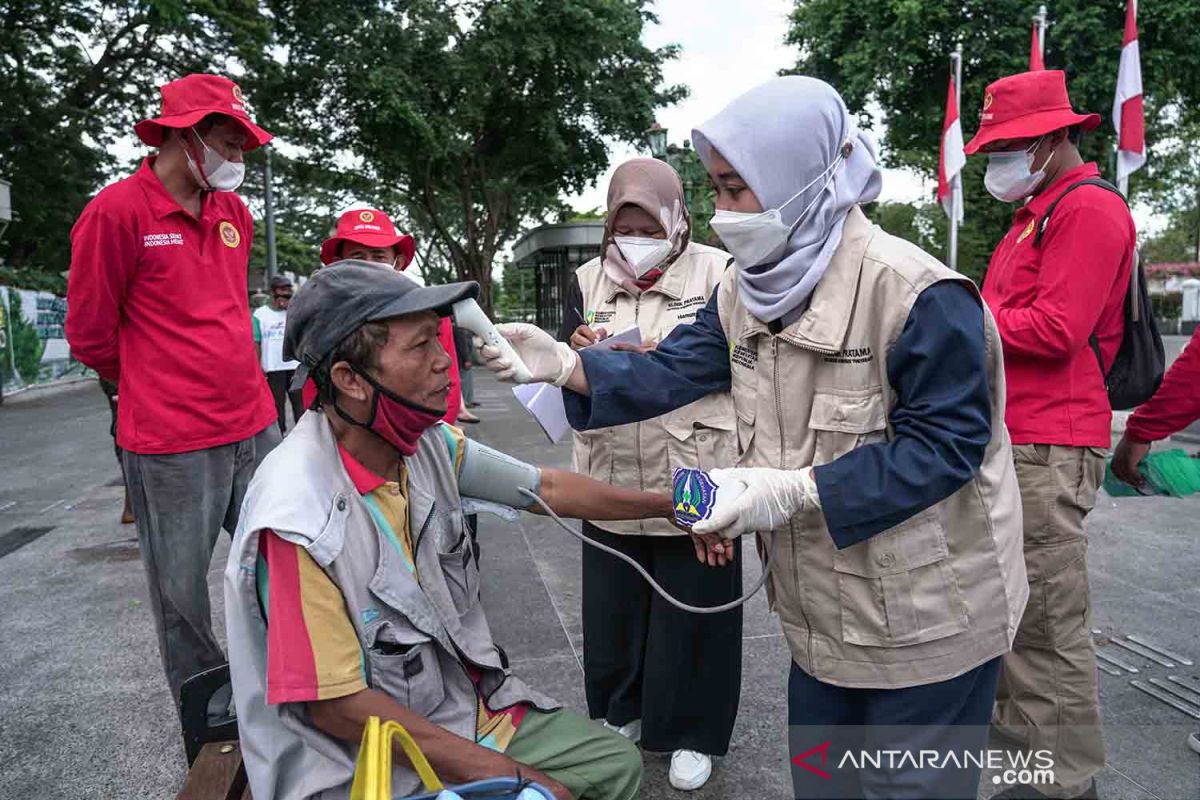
x,y
469,266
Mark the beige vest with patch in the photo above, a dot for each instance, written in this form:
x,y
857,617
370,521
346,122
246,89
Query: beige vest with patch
x,y
642,455
942,592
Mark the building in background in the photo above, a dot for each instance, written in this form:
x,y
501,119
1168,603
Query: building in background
x,y
552,253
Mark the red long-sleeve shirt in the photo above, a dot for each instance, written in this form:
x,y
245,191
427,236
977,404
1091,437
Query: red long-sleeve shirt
x,y
1176,404
157,300
1048,300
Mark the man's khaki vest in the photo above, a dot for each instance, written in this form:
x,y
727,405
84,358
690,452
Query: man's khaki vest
x,y
931,598
642,455
417,638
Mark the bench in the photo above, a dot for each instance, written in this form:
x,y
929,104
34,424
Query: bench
x,y
216,774
215,768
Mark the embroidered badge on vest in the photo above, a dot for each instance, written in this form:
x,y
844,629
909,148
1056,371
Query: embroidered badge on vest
x,y
852,355
743,356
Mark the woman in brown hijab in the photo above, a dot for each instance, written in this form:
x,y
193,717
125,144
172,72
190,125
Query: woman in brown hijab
x,y
654,673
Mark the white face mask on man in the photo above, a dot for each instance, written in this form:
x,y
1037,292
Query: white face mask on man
x,y
643,253
1010,176
217,172
761,238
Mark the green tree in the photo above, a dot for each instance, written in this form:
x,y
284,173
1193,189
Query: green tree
x,y
27,347
926,225
1177,242
894,54
515,297
75,75
476,114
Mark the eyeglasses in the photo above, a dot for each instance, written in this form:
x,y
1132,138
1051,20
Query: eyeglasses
x,y
283,296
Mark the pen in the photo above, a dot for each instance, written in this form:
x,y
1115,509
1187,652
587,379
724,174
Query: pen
x,y
579,313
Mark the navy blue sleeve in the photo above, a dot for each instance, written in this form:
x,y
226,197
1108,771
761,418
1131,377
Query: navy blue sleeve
x,y
629,387
942,422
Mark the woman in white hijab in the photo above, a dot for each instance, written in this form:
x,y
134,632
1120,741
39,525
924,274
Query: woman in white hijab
x,y
873,462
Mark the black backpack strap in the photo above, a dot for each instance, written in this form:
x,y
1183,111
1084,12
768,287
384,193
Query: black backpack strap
x,y
1037,242
1103,184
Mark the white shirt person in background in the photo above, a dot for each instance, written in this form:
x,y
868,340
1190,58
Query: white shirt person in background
x,y
269,322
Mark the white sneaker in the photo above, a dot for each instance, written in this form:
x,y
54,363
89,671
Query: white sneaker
x,y
689,770
630,730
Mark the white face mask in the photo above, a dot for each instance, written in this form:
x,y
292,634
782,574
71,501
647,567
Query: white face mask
x,y
218,173
1010,175
643,253
761,238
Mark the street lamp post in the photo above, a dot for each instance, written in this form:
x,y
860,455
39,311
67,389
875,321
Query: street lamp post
x,y
656,138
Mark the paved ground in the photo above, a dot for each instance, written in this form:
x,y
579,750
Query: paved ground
x,y
84,710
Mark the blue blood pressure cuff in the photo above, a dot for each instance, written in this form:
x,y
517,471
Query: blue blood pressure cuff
x,y
495,477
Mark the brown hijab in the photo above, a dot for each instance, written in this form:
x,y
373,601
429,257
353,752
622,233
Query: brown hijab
x,y
654,187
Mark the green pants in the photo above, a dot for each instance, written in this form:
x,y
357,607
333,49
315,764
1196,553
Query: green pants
x,y
594,763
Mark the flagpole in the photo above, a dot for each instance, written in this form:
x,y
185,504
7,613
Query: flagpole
x,y
956,185
1041,23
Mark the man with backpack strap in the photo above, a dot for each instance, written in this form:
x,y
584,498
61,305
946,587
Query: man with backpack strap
x,y
1055,287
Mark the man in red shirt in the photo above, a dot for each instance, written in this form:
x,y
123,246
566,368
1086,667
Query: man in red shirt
x,y
1056,287
158,302
1174,406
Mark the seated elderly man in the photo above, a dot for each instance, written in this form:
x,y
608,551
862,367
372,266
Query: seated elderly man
x,y
353,584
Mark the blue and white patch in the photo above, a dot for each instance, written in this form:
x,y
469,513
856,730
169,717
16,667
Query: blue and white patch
x,y
693,496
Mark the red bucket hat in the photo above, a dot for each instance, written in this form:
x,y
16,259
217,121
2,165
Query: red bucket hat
x,y
369,227
192,98
1027,105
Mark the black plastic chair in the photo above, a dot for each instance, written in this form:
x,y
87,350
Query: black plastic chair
x,y
206,710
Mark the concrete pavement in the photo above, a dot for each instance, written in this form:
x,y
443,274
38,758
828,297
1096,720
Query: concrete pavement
x,y
85,712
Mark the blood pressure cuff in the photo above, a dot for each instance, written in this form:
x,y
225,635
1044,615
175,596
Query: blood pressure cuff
x,y
495,477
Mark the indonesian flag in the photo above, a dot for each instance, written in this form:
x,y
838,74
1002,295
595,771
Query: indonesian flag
x,y
951,160
1128,114
1035,50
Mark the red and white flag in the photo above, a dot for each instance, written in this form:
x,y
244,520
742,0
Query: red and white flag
x,y
1035,49
951,159
1128,113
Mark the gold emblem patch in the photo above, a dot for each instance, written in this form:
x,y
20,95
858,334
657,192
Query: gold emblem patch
x,y
229,234
1028,230
237,94
366,216
987,101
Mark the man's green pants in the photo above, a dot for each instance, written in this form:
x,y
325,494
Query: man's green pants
x,y
591,761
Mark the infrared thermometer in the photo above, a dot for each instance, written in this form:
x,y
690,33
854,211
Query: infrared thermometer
x,y
468,314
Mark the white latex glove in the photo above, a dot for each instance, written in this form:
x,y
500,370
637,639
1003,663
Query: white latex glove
x,y
548,361
770,498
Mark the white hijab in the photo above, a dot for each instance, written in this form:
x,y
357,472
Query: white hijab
x,y
780,136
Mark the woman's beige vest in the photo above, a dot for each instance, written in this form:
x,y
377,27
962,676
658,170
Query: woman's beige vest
x,y
642,455
938,594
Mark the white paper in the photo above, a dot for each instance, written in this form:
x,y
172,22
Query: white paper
x,y
545,402
631,335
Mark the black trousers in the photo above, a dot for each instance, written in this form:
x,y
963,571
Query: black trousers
x,y
679,673
279,381
919,736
